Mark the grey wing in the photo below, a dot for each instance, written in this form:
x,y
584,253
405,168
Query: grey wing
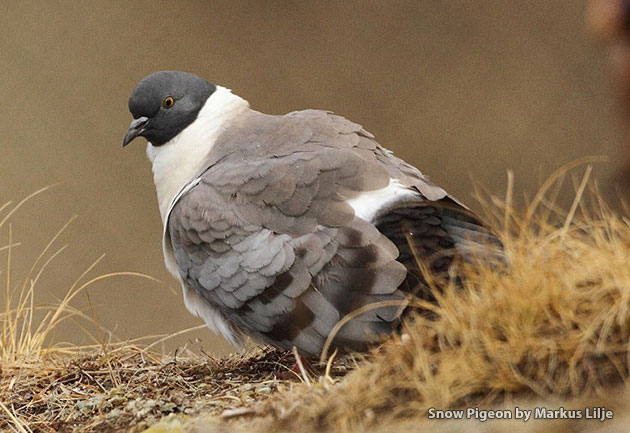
x,y
271,243
273,246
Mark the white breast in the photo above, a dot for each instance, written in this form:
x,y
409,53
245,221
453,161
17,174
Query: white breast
x,y
175,165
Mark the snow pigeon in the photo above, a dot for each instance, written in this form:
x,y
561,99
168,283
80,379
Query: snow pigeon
x,y
278,226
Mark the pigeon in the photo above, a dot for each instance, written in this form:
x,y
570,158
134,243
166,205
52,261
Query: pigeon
x,y
280,226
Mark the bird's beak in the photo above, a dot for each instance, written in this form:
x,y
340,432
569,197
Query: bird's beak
x,y
135,129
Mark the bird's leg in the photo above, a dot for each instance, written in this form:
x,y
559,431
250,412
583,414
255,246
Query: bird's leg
x,y
301,369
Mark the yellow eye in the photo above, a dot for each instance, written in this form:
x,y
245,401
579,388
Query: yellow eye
x,y
168,102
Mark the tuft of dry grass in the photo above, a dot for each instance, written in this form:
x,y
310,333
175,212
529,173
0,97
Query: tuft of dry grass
x,y
549,326
26,328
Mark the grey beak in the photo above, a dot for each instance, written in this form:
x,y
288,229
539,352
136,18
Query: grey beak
x,y
135,129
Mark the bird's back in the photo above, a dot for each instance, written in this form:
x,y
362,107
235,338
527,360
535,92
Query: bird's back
x,y
299,220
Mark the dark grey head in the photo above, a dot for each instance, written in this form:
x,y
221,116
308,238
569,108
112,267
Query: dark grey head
x,y
164,103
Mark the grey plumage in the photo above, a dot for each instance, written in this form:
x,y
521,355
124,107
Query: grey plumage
x,y
268,236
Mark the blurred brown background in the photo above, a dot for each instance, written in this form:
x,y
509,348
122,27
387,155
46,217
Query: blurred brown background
x,y
461,89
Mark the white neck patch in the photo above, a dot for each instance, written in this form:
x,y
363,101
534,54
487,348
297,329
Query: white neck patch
x,y
178,160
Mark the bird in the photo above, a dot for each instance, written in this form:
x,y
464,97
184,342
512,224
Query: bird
x,y
279,226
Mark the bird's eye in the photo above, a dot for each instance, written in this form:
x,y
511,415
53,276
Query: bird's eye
x,y
168,102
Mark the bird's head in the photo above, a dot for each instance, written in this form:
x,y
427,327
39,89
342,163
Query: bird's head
x,y
164,103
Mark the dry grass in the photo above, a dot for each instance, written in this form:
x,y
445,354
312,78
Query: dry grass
x,y
552,326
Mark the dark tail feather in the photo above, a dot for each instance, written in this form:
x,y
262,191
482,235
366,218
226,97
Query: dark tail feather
x,y
430,235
